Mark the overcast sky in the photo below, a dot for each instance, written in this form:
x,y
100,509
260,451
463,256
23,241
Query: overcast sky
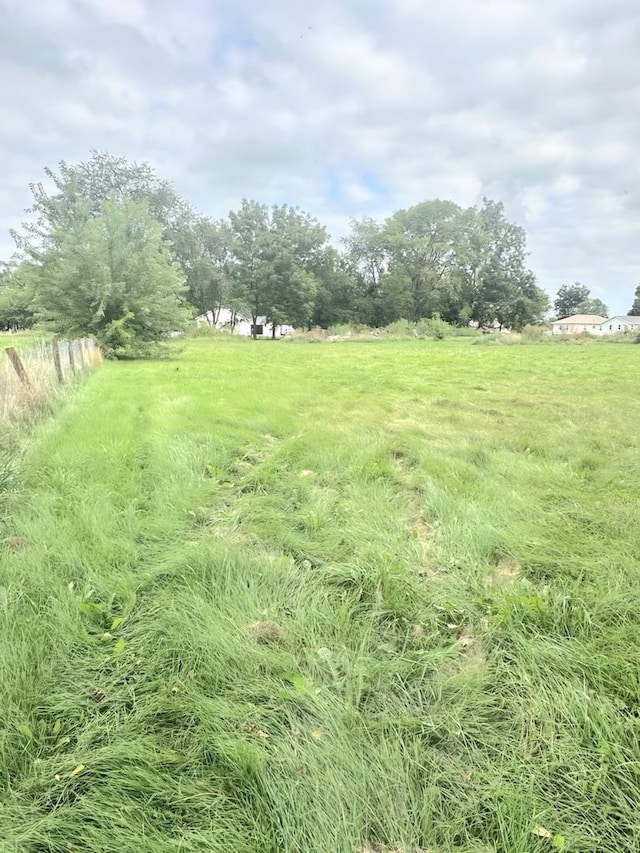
x,y
346,108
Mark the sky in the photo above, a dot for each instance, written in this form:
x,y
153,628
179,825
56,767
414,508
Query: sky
x,y
347,108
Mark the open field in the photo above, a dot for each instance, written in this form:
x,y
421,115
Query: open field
x,y
359,597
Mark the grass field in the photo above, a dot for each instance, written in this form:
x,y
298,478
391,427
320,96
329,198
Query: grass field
x,y
356,597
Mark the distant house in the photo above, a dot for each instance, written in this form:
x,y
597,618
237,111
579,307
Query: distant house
x,y
623,323
238,324
578,323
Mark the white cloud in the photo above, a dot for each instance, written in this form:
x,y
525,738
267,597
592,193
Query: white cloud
x,y
347,108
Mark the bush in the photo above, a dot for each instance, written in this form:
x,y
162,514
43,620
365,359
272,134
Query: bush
x,y
399,329
434,328
465,332
203,330
533,333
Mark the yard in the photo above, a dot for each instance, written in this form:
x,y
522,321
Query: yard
x,y
359,597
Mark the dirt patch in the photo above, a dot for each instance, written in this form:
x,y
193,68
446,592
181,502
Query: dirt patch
x,y
507,571
267,633
424,534
16,543
381,848
470,640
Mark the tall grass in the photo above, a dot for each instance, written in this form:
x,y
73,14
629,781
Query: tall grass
x,y
17,400
370,599
20,402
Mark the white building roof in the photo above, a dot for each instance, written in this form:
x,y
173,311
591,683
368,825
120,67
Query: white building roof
x,y
581,320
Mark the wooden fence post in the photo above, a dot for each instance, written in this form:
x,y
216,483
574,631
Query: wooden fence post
x,y
56,359
81,351
16,361
72,360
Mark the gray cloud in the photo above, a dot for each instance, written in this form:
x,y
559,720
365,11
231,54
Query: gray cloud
x,y
348,108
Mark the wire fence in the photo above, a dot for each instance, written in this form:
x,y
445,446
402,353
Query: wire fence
x,y
30,375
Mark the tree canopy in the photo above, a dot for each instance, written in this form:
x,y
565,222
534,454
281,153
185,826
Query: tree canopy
x,y
576,299
438,258
108,273
107,239
275,258
634,311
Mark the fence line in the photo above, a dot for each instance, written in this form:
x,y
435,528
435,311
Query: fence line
x,y
29,376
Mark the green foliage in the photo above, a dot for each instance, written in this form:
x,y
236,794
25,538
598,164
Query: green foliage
x,y
436,257
569,299
404,619
634,311
198,244
275,256
576,299
15,309
593,306
110,277
432,258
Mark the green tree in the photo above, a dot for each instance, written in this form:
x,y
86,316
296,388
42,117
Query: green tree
x,y
634,311
504,290
206,266
111,276
274,258
422,244
366,262
569,299
15,300
335,291
62,204
593,306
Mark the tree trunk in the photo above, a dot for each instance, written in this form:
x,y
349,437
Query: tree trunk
x,y
273,331
254,322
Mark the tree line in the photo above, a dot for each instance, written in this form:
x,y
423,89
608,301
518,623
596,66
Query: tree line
x,y
111,250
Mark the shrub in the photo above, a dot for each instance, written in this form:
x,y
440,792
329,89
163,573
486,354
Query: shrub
x,y
435,328
399,329
532,332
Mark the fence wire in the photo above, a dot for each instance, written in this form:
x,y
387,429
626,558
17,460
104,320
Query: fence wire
x,y
19,397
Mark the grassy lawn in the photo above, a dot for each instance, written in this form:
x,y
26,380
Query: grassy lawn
x,y
356,597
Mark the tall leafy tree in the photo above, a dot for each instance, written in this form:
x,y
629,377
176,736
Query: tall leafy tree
x,y
634,311
593,306
366,262
206,266
505,289
421,243
71,189
275,255
15,300
111,276
335,291
569,299
74,189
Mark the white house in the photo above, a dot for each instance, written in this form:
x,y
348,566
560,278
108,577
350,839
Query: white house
x,y
577,323
239,324
623,323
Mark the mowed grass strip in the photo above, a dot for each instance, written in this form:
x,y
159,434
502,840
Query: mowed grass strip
x,y
363,597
